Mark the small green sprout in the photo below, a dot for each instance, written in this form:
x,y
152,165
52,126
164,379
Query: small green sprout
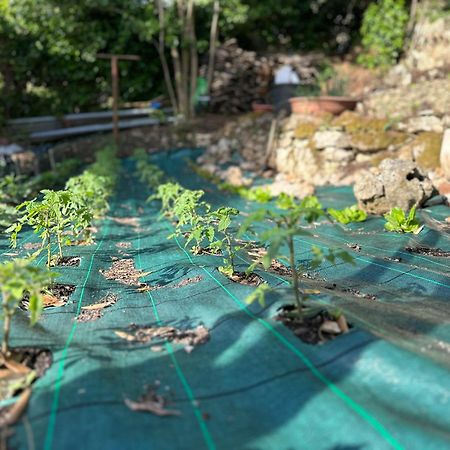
x,y
348,215
398,221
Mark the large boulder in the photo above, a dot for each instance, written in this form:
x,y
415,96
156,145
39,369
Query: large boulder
x,y
396,183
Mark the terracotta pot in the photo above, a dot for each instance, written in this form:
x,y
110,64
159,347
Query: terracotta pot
x,y
261,107
322,105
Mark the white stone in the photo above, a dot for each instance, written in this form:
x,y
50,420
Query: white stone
x,y
337,154
330,138
424,123
445,153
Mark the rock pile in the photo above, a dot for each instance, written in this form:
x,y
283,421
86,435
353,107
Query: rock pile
x,y
394,183
242,77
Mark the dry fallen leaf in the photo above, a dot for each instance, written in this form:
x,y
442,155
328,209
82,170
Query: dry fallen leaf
x,y
126,336
52,301
16,367
13,413
342,322
153,403
109,300
312,291
144,288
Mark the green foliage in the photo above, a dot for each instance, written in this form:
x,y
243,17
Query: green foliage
x,y
254,194
167,193
50,217
17,279
106,165
49,47
259,294
288,221
8,214
93,189
14,189
149,174
383,33
202,227
328,82
398,221
348,215
54,179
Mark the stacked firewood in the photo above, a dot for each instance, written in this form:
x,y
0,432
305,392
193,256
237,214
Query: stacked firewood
x,y
242,77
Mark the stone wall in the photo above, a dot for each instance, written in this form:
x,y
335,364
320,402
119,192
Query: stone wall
x,y
309,151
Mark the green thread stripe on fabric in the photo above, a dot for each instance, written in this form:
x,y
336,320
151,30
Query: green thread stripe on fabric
x,y
358,409
61,367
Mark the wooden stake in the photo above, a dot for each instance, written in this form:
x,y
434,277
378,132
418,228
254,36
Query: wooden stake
x,y
115,86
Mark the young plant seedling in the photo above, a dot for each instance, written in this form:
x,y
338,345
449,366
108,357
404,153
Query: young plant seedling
x,y
93,189
398,221
224,241
167,194
50,217
348,215
287,222
149,174
17,279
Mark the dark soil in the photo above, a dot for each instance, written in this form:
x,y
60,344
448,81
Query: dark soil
x,y
251,279
67,261
90,313
124,271
354,292
207,251
187,281
56,295
308,329
189,338
428,251
18,363
355,247
123,244
62,291
89,316
280,269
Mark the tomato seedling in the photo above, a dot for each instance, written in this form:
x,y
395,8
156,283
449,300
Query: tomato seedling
x,y
50,217
288,221
17,279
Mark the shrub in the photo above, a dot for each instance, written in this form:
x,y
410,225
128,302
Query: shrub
x,y
383,33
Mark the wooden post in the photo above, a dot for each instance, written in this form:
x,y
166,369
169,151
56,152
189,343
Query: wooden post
x,y
115,86
115,97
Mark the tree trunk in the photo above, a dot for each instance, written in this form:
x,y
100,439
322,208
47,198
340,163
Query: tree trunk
x,y
193,57
212,42
162,56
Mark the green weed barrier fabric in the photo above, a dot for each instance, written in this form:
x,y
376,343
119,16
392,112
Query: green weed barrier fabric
x,y
253,385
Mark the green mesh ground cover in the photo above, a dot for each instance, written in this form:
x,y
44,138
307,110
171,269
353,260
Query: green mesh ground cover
x,y
254,385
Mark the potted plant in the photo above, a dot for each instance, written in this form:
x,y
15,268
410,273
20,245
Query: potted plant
x,y
327,95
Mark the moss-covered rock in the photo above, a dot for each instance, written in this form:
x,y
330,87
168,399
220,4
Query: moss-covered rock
x,y
305,130
425,150
365,141
353,122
